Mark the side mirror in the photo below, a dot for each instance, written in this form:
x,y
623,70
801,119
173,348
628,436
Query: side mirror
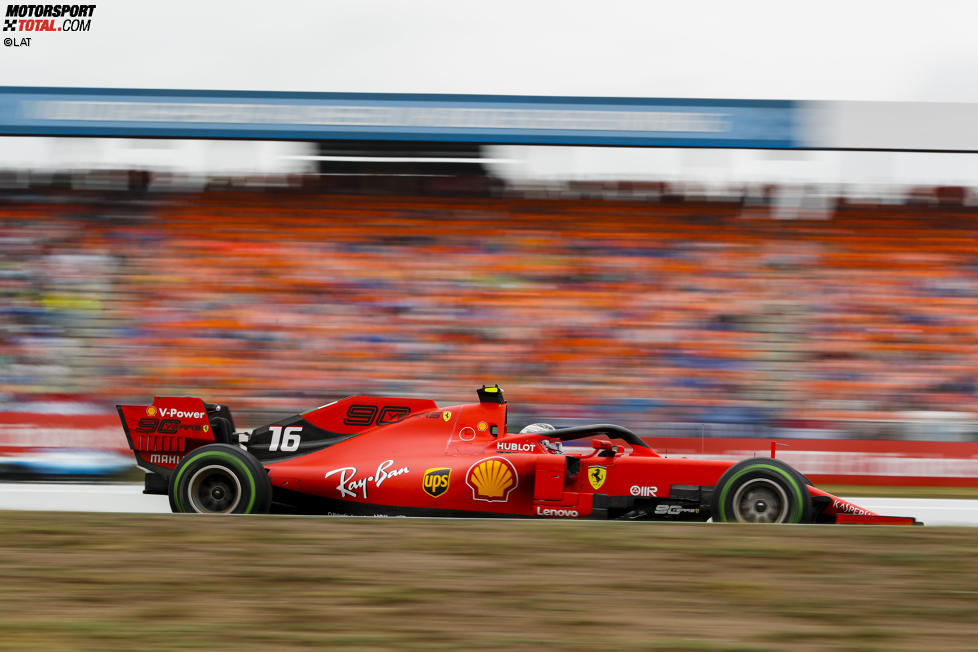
x,y
601,445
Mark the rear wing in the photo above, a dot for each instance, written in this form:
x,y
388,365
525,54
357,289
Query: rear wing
x,y
162,433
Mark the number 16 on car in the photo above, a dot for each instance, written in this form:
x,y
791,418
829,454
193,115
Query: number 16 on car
x,y
285,440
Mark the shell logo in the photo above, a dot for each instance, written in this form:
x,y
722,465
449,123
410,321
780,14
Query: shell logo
x,y
492,479
151,411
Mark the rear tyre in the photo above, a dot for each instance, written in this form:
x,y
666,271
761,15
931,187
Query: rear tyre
x,y
220,479
762,490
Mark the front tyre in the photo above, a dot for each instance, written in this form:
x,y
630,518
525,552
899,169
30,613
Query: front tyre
x,y
762,490
220,479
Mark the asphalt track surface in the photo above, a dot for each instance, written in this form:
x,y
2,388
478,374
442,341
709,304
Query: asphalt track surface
x,y
128,498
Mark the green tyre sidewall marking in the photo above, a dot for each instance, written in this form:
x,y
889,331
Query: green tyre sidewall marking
x,y
241,466
796,510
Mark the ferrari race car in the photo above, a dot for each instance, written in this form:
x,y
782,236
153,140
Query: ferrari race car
x,y
370,455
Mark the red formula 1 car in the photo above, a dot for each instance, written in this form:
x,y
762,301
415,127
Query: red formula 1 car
x,y
406,456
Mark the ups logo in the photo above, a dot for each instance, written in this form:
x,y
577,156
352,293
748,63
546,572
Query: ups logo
x,y
435,481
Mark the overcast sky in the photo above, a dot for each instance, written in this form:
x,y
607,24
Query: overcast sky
x,y
832,50
855,50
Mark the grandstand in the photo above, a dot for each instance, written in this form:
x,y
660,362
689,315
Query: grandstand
x,y
402,263
671,316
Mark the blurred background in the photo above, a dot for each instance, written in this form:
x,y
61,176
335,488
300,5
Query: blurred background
x,y
797,270
748,310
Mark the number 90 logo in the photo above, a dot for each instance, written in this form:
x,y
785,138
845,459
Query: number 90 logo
x,y
160,426
369,415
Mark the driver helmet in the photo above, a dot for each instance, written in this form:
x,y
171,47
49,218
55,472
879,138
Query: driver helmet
x,y
537,429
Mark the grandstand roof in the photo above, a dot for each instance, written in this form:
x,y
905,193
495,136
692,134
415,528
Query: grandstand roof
x,y
381,116
513,119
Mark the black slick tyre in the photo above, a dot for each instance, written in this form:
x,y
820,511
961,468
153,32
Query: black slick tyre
x,y
762,490
220,479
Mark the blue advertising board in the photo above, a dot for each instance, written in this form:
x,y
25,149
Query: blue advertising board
x,y
417,117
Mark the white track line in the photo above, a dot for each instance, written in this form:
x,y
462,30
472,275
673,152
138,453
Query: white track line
x,y
65,497
932,511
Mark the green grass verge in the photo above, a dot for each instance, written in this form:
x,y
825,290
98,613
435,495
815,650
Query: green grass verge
x,y
98,581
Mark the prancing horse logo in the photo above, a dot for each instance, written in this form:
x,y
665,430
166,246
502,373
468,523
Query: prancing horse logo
x,y
596,475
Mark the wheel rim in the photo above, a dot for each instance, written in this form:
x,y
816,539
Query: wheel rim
x,y
761,501
214,489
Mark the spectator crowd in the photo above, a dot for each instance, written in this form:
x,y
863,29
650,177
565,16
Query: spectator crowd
x,y
667,317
